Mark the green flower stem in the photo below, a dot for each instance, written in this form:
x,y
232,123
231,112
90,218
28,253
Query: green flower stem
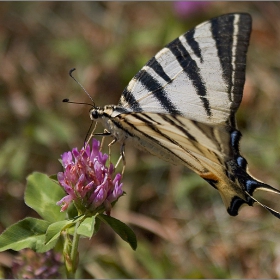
x,y
70,252
75,245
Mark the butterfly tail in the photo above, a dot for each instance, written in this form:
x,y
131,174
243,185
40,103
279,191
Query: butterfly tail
x,y
256,185
244,190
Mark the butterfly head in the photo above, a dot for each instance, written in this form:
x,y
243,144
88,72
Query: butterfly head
x,y
97,113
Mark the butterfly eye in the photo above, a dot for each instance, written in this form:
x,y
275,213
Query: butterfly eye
x,y
94,114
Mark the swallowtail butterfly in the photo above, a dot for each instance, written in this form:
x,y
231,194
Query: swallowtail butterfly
x,y
181,107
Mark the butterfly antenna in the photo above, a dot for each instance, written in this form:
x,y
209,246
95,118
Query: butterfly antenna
x,y
70,74
66,100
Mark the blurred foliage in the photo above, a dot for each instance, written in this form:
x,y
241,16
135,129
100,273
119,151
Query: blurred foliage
x,y
182,226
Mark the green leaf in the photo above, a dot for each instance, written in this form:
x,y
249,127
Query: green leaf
x,y
54,230
124,231
27,233
42,194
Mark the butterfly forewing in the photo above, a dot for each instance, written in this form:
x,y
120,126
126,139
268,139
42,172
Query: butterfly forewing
x,y
199,75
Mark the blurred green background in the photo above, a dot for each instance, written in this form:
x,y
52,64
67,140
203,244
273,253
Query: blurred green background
x,y
181,223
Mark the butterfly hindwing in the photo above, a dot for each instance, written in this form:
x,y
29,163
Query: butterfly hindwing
x,y
212,151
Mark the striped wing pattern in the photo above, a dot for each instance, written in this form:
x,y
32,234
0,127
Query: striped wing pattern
x,y
181,107
204,69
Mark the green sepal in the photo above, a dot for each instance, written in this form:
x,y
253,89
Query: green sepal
x,y
54,230
89,227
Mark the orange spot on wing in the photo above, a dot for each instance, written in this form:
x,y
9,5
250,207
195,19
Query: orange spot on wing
x,y
209,176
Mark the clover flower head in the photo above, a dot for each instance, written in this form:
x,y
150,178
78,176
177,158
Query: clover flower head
x,y
86,179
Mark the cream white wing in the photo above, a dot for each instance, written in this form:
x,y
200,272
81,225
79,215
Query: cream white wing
x,y
199,75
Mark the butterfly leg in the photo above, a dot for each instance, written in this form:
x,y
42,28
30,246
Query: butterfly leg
x,y
105,133
109,146
122,157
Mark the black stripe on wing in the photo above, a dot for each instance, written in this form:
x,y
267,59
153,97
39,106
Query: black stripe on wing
x,y
193,44
128,97
192,70
155,88
222,29
245,26
180,126
156,66
232,58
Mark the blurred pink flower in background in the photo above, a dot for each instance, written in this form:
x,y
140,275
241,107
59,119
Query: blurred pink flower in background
x,y
31,265
184,9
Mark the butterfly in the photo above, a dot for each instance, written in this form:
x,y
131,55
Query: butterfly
x,y
181,108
